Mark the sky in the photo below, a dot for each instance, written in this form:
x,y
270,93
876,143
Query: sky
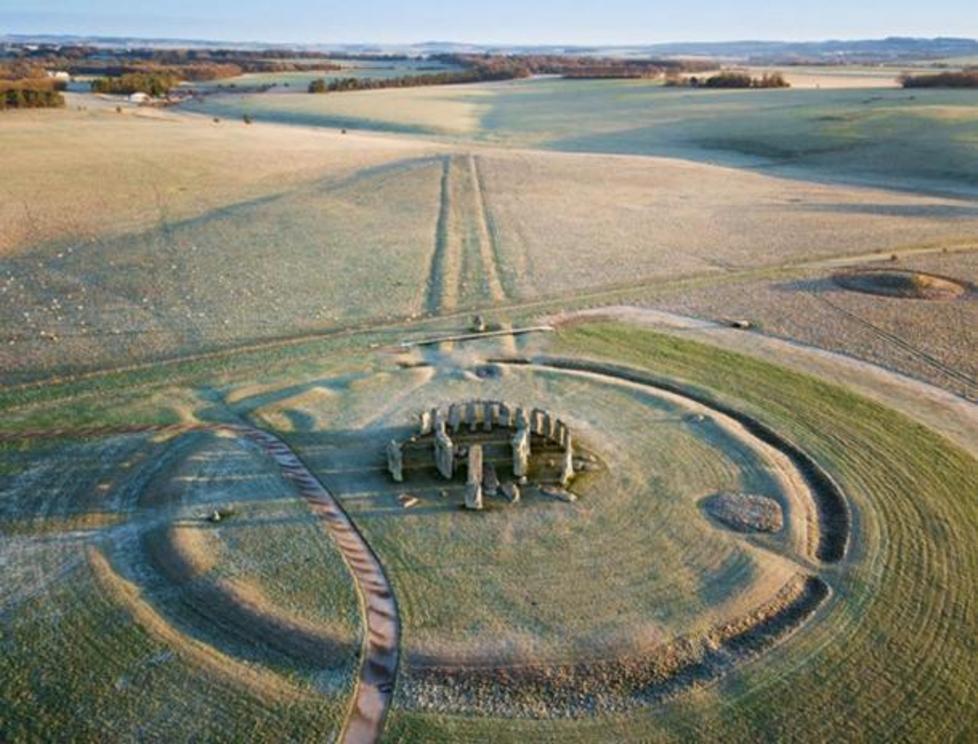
x,y
492,21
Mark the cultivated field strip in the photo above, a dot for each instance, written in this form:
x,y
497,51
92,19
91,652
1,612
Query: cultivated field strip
x,y
380,654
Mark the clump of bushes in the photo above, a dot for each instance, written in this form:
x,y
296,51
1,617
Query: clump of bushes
x,y
963,79
26,86
30,93
732,79
151,83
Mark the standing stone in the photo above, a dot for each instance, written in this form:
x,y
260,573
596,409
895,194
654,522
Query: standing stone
x,y
490,481
444,451
521,452
564,435
522,420
424,423
567,465
511,491
455,417
487,411
395,460
505,415
536,422
473,485
547,425
473,415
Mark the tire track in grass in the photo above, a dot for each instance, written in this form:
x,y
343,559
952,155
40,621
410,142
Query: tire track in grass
x,y
442,292
379,657
485,232
970,383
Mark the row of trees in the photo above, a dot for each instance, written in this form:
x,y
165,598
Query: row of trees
x,y
473,75
154,84
963,79
732,79
190,64
573,66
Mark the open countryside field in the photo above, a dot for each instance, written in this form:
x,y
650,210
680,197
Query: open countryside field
x,y
533,410
917,140
372,228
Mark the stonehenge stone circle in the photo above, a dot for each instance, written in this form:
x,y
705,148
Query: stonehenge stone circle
x,y
528,426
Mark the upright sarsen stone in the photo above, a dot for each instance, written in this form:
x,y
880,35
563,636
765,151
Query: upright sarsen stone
x,y
490,481
506,415
455,417
536,422
521,452
395,461
425,422
444,451
567,464
473,485
488,411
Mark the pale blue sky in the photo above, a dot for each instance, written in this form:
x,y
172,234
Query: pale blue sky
x,y
493,21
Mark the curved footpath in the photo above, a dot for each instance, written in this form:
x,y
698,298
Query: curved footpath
x,y
379,658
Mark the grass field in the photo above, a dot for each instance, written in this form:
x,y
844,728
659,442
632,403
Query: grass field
x,y
124,610
884,136
162,260
914,522
485,588
240,282
906,578
358,68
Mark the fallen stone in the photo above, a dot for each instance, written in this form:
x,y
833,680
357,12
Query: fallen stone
x,y
561,494
511,491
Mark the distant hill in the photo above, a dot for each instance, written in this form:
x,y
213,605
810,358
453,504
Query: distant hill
x,y
868,51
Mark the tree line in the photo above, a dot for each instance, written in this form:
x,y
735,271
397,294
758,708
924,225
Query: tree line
x,y
154,84
573,66
732,79
338,85
192,64
963,79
